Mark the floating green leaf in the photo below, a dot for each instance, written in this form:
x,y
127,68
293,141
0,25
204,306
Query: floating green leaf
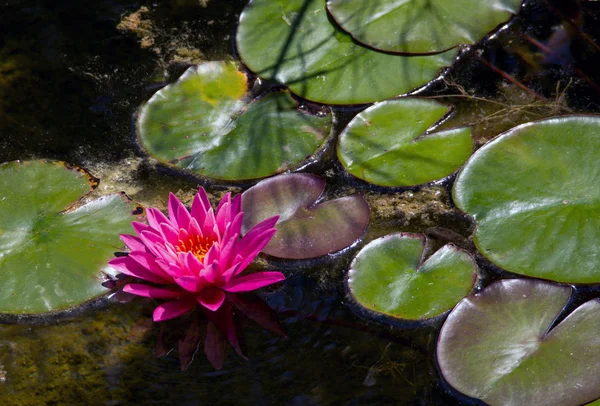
x,y
533,192
391,144
389,276
495,346
203,124
305,229
420,26
53,249
294,42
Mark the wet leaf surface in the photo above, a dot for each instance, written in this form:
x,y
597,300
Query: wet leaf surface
x,y
389,276
306,229
54,248
294,42
204,122
533,193
495,346
392,143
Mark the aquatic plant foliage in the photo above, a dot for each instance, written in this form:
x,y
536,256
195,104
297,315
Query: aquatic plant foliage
x,y
501,346
533,193
207,123
391,276
420,26
306,228
54,244
394,143
295,43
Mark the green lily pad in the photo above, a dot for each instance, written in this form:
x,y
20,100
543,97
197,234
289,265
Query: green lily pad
x,y
391,143
533,193
293,42
420,26
389,276
305,229
204,123
53,247
495,346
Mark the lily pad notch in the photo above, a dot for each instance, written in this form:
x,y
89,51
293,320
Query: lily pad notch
x,y
208,123
396,143
496,346
390,276
54,244
306,227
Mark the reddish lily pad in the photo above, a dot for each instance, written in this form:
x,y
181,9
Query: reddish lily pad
x,y
306,229
495,346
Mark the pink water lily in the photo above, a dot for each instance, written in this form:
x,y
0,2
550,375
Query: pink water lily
x,y
195,257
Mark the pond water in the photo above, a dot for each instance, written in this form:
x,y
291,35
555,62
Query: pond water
x,y
72,75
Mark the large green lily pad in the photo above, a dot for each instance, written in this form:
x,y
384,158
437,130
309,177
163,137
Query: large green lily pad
x,y
294,42
390,144
54,248
495,346
389,276
420,26
534,194
305,229
204,123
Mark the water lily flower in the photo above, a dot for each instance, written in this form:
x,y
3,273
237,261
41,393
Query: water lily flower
x,y
194,257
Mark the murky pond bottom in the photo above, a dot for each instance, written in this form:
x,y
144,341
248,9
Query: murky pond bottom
x,y
72,77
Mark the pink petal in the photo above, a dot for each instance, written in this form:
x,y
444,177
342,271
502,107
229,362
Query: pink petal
x,y
190,283
139,227
228,251
251,251
225,200
200,206
130,267
212,273
213,254
192,265
253,281
223,319
194,228
178,214
236,205
174,308
133,242
211,298
151,240
208,228
156,218
148,261
169,233
166,292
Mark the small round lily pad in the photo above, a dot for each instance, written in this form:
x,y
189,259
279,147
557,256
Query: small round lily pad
x,y
205,122
306,229
496,346
53,246
392,143
294,42
389,276
420,26
533,192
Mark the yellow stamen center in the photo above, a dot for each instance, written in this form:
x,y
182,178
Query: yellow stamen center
x,y
197,245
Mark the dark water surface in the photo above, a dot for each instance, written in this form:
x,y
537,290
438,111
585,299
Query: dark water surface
x,y
70,82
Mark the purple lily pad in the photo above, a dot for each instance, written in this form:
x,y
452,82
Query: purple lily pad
x,y
500,346
306,229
